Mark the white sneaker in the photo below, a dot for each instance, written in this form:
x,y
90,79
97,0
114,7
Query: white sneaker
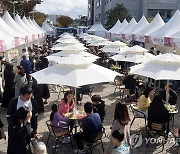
x,y
78,151
66,140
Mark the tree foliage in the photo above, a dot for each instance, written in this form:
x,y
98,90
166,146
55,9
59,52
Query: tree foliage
x,y
39,17
64,21
119,12
23,7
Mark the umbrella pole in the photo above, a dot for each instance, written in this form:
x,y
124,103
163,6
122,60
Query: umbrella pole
x,y
75,99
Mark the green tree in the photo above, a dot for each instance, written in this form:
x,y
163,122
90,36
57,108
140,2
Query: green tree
x,y
23,7
39,17
119,12
64,21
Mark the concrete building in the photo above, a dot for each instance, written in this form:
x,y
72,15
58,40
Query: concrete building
x,y
97,9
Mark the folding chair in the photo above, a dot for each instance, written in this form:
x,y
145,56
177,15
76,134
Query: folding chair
x,y
96,141
57,135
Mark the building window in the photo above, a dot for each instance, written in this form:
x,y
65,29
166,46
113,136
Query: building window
x,y
98,3
97,17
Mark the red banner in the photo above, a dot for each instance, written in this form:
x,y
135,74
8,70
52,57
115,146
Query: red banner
x,y
1,45
16,40
26,39
147,39
169,42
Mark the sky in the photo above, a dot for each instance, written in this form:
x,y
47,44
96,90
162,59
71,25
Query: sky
x,y
72,8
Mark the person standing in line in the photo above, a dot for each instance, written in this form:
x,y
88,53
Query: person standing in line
x,y
8,93
20,80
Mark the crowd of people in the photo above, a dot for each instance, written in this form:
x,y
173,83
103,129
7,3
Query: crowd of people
x,y
24,99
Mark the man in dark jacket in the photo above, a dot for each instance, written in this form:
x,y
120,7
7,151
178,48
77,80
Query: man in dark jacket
x,y
19,132
168,95
91,125
24,100
26,64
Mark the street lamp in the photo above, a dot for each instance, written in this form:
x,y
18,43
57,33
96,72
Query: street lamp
x,y
14,13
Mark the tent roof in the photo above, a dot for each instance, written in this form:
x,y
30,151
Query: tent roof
x,y
29,25
115,27
32,24
139,26
46,27
156,24
123,25
7,29
170,28
22,24
10,21
131,24
38,26
98,28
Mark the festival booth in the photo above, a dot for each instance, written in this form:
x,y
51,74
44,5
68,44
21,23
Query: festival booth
x,y
129,34
131,24
47,28
116,34
113,29
157,23
160,37
98,30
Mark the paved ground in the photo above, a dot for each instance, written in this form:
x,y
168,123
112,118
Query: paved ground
x,y
106,91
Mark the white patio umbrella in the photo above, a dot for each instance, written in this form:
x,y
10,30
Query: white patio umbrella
x,y
115,49
133,57
136,49
65,54
72,59
162,67
75,47
67,41
74,76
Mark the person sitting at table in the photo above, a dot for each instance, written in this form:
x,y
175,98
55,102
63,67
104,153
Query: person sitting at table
x,y
59,122
130,83
157,112
121,123
168,95
144,100
91,125
98,106
67,104
119,147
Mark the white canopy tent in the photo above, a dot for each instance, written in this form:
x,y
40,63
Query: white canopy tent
x,y
10,31
98,30
7,41
34,22
47,28
29,26
171,27
173,40
139,26
156,24
24,26
123,25
115,27
10,21
131,24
